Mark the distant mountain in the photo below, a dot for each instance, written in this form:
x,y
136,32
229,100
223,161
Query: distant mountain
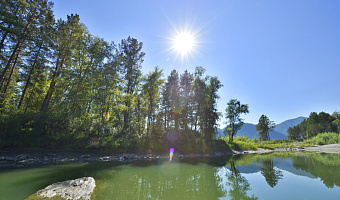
x,y
281,163
283,127
249,130
279,133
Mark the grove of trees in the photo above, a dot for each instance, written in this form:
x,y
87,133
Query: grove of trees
x,y
61,87
315,124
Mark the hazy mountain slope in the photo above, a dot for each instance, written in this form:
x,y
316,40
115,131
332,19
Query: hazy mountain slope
x,y
283,127
249,130
280,131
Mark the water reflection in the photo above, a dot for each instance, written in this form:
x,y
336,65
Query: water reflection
x,y
238,184
269,176
324,166
165,180
270,173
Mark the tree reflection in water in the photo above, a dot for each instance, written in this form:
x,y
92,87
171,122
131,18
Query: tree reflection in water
x,y
238,184
270,173
167,180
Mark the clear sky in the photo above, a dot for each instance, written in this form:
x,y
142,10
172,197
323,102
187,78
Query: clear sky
x,y
282,58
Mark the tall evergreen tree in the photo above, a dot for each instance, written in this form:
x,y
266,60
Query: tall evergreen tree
x,y
212,116
151,90
131,55
264,127
65,39
186,81
199,89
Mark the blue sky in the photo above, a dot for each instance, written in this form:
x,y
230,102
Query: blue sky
x,y
282,58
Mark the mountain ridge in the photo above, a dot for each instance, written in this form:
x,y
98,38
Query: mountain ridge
x,y
280,130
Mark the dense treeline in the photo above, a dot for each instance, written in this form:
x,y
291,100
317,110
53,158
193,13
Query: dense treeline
x,y
61,87
314,125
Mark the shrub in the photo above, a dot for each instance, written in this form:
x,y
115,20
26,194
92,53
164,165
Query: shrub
x,y
325,138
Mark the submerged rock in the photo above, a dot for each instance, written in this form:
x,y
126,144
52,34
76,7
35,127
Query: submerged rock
x,y
80,188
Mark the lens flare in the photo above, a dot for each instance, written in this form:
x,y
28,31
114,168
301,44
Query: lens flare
x,y
171,152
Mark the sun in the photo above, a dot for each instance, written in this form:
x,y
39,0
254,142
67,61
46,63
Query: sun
x,y
184,43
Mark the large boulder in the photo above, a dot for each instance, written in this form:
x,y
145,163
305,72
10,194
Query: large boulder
x,y
80,188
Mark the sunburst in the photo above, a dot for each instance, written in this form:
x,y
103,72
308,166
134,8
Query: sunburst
x,y
184,41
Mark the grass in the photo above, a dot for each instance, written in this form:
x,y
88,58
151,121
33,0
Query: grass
x,y
244,143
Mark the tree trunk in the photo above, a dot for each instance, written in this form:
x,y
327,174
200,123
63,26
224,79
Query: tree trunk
x,y
29,77
29,99
9,62
47,99
9,79
3,40
196,120
16,48
165,114
3,81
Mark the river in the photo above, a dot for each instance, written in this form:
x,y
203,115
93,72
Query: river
x,y
258,176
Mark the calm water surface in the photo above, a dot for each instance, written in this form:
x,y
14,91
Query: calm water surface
x,y
269,176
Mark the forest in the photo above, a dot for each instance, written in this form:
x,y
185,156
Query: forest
x,y
63,88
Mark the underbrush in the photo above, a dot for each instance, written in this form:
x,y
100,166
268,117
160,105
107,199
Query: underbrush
x,y
325,138
245,143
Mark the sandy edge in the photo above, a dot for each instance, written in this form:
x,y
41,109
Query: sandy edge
x,y
329,148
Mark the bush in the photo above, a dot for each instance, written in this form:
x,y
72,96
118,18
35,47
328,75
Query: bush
x,y
325,138
243,145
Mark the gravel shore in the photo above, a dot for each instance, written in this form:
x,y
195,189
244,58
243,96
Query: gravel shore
x,y
329,148
18,159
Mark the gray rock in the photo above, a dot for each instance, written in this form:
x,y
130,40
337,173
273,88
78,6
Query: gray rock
x,y
11,159
23,156
80,188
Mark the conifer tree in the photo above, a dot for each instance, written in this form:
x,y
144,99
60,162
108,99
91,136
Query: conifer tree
x,y
264,127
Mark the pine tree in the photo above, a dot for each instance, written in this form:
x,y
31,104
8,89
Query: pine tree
x,y
151,90
131,55
264,127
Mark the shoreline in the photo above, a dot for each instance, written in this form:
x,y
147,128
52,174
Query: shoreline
x,y
32,158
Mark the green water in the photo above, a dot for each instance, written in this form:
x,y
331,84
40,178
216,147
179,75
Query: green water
x,y
269,176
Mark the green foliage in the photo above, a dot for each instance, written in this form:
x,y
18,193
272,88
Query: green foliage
x,y
61,87
325,138
264,126
233,116
314,125
240,143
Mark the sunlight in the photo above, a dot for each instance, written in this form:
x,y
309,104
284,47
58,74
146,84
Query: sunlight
x,y
184,40
184,43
